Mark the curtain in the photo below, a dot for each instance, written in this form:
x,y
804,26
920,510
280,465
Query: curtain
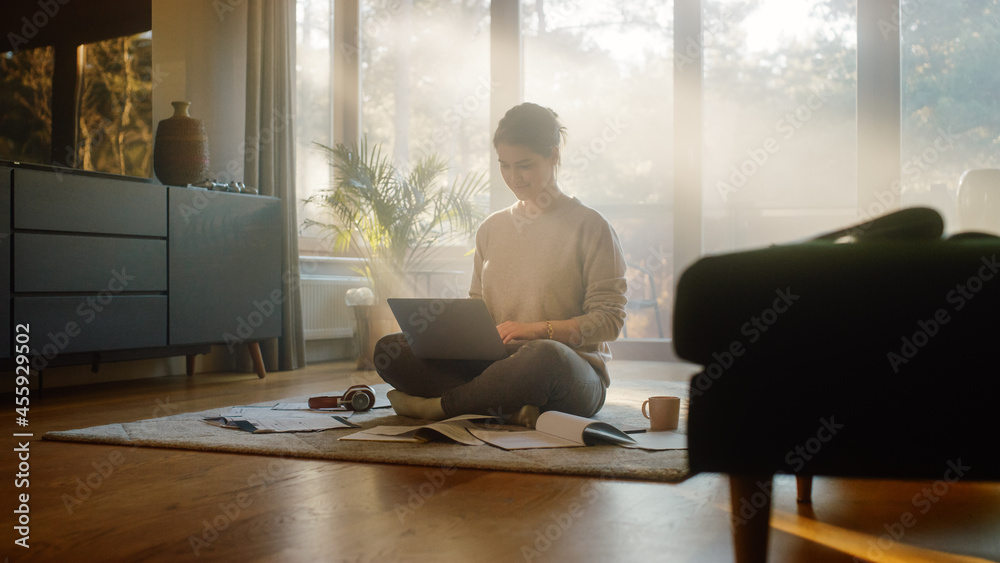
x,y
269,161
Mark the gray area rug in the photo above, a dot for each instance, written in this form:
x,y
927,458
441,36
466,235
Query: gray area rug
x,y
188,431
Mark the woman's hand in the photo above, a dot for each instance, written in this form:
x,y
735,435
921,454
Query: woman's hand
x,y
510,330
566,331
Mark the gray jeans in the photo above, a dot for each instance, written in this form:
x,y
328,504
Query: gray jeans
x,y
543,373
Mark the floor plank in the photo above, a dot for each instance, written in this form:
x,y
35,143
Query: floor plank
x,y
116,503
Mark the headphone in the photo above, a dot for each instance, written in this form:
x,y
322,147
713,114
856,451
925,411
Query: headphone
x,y
356,398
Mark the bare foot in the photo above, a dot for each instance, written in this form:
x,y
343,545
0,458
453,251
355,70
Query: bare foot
x,y
416,407
527,416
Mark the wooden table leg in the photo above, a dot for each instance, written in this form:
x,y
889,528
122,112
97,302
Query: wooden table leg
x,y
258,361
190,364
803,488
750,500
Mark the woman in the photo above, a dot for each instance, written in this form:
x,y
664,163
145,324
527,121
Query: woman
x,y
552,273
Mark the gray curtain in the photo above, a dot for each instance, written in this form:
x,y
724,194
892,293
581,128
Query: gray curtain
x,y
269,163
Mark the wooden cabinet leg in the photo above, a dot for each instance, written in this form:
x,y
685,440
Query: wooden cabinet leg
x,y
803,488
750,500
258,361
190,364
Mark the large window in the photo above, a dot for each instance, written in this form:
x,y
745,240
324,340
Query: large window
x,y
314,105
780,149
607,70
26,105
115,108
950,79
425,78
113,117
76,85
779,122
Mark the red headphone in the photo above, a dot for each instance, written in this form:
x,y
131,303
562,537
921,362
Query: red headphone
x,y
356,398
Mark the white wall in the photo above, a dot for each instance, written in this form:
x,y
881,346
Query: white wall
x,y
199,55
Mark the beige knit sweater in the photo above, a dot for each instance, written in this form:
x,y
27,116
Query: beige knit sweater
x,y
559,263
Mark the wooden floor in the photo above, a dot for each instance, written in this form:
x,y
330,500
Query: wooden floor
x,y
113,503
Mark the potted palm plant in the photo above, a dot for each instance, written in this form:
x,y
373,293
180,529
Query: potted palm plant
x,y
395,220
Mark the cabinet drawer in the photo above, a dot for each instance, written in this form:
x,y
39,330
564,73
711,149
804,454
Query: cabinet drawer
x,y
94,323
68,202
44,262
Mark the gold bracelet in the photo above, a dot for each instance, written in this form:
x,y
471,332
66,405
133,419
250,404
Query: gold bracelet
x,y
548,328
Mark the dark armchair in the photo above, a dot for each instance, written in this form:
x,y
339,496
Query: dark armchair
x,y
873,359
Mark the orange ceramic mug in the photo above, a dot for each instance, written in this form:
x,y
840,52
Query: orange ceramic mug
x,y
664,412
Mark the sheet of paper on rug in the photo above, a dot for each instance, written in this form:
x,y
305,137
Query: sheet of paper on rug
x,y
659,441
456,429
270,424
269,411
556,429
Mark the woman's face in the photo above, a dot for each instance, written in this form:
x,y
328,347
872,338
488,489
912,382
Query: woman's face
x,y
526,172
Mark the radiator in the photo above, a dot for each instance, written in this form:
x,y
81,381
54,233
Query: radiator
x,y
324,313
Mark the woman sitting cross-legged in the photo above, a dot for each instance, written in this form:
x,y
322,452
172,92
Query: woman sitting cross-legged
x,y
552,274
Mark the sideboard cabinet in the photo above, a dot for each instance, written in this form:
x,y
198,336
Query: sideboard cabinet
x,y
102,267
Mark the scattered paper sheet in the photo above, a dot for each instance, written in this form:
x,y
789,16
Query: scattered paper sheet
x,y
556,429
268,424
456,428
665,440
522,440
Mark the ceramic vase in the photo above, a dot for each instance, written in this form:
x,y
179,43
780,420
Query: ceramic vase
x,y
180,150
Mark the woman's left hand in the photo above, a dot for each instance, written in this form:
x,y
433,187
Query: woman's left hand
x,y
510,330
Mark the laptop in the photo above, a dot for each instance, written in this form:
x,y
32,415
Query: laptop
x,y
448,329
